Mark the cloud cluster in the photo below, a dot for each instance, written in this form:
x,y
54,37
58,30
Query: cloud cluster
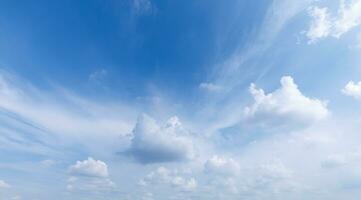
x,y
89,175
89,167
152,143
323,25
286,106
171,178
222,166
320,26
353,89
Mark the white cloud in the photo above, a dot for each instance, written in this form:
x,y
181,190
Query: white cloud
x,y
171,178
65,115
210,87
286,106
89,175
89,167
322,25
222,166
3,184
353,89
349,16
152,143
89,184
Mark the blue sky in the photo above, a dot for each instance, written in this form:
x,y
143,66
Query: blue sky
x,y
153,99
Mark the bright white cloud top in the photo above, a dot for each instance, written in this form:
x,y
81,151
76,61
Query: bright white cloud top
x,y
90,167
286,106
324,25
353,89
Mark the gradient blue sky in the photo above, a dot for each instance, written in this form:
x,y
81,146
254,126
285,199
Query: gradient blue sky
x,y
192,99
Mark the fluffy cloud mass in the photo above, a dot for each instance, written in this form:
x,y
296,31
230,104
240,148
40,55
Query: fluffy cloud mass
x,y
322,25
90,167
89,175
152,143
285,106
353,89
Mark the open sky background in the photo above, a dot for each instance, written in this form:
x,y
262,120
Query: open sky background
x,y
187,99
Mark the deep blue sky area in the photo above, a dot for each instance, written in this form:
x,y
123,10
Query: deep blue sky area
x,y
173,43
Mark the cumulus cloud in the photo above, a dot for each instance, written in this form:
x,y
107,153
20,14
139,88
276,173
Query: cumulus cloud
x,y
3,184
89,184
322,25
353,89
153,143
89,175
222,166
171,178
286,106
251,179
90,167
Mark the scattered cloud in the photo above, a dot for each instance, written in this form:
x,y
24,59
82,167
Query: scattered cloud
x,y
3,184
89,184
152,143
210,87
89,167
286,106
89,175
222,166
349,16
171,178
353,89
320,26
323,25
